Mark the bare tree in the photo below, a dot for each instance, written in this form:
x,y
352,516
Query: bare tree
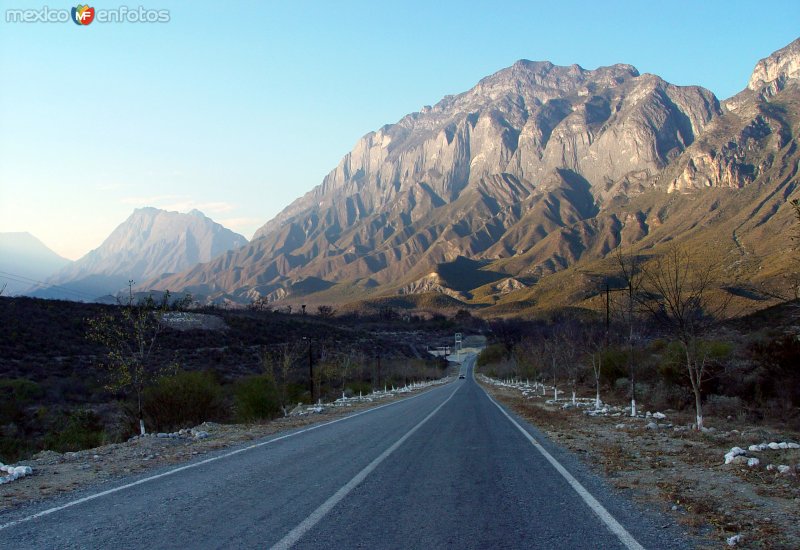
x,y
567,335
593,346
280,363
551,354
630,267
526,355
3,289
679,289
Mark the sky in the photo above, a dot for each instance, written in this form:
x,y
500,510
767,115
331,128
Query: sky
x,y
238,108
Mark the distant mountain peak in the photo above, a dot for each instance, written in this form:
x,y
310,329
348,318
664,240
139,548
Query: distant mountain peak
x,y
25,259
774,71
150,243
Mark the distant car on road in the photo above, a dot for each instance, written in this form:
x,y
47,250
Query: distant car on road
x,y
460,376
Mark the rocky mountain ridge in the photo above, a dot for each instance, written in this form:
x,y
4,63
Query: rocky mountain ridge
x,y
531,171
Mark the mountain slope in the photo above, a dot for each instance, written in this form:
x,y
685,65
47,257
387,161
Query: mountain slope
x,y
151,242
23,256
485,174
535,170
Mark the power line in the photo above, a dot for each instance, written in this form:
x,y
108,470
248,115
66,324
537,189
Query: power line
x,y
27,280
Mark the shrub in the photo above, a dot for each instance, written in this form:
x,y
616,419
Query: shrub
x,y
354,388
83,430
182,400
493,354
615,365
723,406
20,389
256,398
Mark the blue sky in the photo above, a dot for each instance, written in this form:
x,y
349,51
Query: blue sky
x,y
239,108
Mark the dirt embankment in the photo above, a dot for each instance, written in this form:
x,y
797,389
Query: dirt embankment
x,y
681,470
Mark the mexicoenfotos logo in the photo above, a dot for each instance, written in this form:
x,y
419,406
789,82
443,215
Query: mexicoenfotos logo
x,y
83,15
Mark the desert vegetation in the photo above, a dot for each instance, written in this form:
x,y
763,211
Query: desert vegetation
x,y
744,369
76,375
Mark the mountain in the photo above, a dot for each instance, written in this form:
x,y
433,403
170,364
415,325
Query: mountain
x,y
535,170
24,259
150,243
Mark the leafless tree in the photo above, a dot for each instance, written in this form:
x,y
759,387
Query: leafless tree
x,y
593,340
679,295
630,269
568,335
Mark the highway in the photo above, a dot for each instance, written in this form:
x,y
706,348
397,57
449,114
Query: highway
x,y
448,468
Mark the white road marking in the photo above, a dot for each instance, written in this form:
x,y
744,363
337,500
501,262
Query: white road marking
x,y
197,464
622,534
307,524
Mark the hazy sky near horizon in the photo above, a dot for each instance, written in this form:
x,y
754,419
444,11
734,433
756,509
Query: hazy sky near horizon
x,y
239,108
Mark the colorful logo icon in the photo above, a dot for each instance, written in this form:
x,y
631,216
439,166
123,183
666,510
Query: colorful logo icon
x,y
83,15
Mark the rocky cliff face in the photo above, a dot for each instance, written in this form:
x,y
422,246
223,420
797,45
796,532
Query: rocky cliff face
x,y
756,126
535,169
151,242
483,174
772,73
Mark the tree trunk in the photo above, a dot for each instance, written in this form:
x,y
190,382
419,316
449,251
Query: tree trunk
x,y
699,409
694,378
142,431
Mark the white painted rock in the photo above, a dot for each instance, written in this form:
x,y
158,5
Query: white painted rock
x,y
784,469
774,446
793,445
754,448
734,540
659,415
733,453
752,462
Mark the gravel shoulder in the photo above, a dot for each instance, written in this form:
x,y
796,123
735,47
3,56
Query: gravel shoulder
x,y
58,474
681,471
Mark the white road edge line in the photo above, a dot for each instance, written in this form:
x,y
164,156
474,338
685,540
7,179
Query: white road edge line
x,y
622,534
201,463
307,524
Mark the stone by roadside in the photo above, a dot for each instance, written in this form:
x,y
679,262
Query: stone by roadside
x,y
683,471
53,474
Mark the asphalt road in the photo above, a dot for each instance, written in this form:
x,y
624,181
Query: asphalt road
x,y
445,469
